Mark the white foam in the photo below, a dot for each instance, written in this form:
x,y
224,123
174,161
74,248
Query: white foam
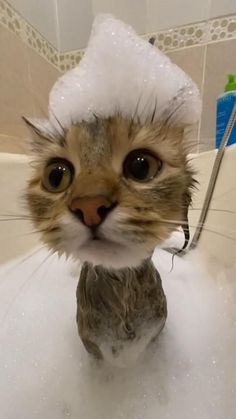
x,y
121,72
45,372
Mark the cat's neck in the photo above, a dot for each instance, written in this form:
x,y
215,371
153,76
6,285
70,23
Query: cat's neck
x,y
122,273
102,275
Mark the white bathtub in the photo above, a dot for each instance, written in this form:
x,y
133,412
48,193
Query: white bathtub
x,y
190,373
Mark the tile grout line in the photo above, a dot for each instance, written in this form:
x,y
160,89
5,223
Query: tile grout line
x,y
205,47
202,93
58,26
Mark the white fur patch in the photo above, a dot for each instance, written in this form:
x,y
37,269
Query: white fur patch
x,y
114,251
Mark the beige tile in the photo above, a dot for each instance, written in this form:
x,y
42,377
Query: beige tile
x,y
163,14
41,14
136,14
25,81
222,8
43,75
116,8
133,12
15,95
191,60
206,144
220,61
75,21
13,144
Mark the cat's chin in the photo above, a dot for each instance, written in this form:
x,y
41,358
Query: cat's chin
x,y
110,254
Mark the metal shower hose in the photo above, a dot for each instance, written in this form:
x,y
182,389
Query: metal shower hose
x,y
213,179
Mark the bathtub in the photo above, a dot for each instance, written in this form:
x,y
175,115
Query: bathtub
x,y
45,371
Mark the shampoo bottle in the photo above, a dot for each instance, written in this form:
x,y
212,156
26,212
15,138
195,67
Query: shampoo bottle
x,y
225,105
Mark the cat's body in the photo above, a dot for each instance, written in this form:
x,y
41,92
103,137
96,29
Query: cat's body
x,y
107,193
119,312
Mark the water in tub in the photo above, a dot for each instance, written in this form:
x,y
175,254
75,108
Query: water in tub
x,y
45,372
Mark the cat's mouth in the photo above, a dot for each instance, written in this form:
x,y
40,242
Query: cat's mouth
x,y
100,240
97,246
96,236
104,246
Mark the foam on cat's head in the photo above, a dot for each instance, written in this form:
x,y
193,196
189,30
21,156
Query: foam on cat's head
x,y
121,72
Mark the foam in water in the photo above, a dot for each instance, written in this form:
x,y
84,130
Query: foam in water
x,y
46,373
121,72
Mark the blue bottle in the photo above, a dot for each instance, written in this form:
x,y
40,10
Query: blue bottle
x,y
225,104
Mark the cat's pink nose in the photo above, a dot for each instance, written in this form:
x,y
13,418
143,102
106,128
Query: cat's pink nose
x,y
92,210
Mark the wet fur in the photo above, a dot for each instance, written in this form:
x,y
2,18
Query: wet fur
x,y
97,152
120,311
120,296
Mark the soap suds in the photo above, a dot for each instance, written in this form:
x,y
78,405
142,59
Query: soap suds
x,y
46,373
121,72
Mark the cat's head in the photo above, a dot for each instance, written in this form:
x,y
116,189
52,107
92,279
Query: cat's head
x,y
107,191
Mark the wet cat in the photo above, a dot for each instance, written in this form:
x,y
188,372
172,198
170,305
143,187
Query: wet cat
x,y
107,193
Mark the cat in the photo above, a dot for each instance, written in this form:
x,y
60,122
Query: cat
x,y
107,192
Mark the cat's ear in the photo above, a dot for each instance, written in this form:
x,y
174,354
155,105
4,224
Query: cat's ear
x,y
42,133
40,127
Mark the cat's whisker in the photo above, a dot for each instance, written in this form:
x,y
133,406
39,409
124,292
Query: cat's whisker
x,y
171,115
41,107
25,283
144,112
214,210
223,194
63,130
207,229
13,219
135,117
154,112
10,137
42,263
19,217
27,233
25,259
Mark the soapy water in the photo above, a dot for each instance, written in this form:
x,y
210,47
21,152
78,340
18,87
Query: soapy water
x,y
190,372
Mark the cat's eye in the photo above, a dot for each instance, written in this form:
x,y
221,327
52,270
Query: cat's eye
x,y
58,175
141,166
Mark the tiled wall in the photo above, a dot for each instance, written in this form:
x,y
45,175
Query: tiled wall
x,y
29,66
209,66
66,23
220,61
25,80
